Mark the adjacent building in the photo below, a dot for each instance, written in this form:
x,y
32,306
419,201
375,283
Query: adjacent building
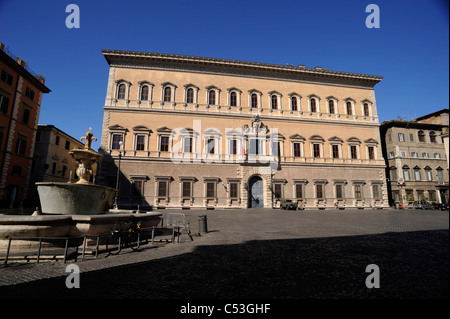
x,y
416,158
194,132
52,161
20,101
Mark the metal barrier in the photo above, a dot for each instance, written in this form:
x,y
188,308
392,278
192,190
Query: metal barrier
x,y
78,240
177,221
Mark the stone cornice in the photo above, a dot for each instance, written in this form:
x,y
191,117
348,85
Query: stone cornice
x,y
215,65
240,116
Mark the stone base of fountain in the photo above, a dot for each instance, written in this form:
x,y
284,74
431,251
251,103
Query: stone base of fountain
x,y
53,230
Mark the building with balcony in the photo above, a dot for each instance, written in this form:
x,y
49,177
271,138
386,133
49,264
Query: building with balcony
x,y
195,132
416,159
21,94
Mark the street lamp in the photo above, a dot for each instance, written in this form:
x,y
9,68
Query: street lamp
x,y
116,200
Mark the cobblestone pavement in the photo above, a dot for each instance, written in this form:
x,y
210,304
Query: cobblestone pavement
x,y
264,254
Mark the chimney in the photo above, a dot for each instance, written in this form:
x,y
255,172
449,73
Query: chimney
x,y
21,62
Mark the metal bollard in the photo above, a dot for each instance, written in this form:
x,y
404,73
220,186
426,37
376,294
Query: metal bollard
x,y
203,224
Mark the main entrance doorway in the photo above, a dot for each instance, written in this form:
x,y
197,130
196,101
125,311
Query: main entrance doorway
x,y
256,192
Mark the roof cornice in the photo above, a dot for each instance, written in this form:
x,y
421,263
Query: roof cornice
x,y
121,57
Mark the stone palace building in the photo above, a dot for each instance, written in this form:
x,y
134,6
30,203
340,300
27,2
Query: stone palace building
x,y
195,132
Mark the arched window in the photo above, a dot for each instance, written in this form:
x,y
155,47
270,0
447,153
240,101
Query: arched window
x,y
313,105
233,99
212,97
190,96
432,137
144,93
331,106
421,136
349,108
294,103
167,94
274,102
366,109
121,93
254,100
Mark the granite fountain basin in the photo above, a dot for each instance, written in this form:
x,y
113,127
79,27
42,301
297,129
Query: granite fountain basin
x,y
74,199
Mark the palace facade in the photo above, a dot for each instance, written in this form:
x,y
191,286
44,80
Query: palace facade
x,y
194,132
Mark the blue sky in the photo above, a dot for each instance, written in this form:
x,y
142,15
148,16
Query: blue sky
x,y
410,49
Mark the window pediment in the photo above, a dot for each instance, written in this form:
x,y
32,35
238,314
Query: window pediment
x,y
164,129
117,127
141,128
336,139
297,137
317,138
354,140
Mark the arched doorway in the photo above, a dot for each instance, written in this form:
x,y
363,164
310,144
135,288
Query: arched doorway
x,y
256,192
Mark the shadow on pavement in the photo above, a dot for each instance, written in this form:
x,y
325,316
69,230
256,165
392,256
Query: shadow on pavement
x,y
412,265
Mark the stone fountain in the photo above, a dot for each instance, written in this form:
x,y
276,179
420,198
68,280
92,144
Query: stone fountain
x,y
70,209
82,197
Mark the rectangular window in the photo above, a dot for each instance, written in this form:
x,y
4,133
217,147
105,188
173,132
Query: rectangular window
x,y
339,193
371,153
233,146
67,146
164,146
376,192
233,190
406,174
138,188
210,145
429,175
425,155
186,189
432,196
210,189
162,188
4,102
299,190
403,154
316,149
7,78
440,177
389,138
187,145
29,93
394,174
254,146
140,143
411,137
277,191
401,137
297,150
21,146
53,168
391,154
276,149
437,155
353,152
358,191
335,151
414,154
417,175
26,115
319,191
116,139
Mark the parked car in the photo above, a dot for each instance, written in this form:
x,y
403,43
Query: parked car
x,y
438,205
422,205
445,206
288,204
